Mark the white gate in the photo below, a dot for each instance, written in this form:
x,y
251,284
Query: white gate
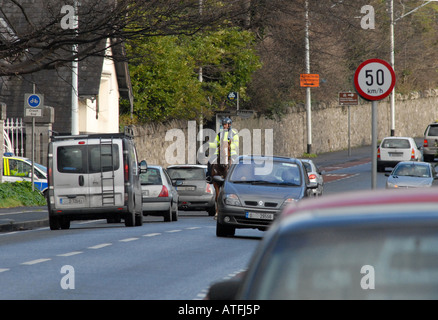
x,y
14,136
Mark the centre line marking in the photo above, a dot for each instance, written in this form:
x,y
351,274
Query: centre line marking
x,y
36,261
170,231
4,269
102,245
151,234
68,254
128,239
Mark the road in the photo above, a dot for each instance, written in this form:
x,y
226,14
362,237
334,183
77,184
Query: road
x,y
157,261
177,260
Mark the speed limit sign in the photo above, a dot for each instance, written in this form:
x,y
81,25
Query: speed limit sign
x,y
374,79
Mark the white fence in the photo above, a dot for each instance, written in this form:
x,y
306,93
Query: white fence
x,y
14,136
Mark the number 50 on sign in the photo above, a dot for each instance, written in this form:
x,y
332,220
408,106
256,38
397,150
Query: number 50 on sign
x,y
374,79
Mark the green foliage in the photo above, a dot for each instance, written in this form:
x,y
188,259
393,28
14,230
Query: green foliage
x,y
165,73
18,194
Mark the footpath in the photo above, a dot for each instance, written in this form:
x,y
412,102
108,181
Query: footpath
x,y
26,218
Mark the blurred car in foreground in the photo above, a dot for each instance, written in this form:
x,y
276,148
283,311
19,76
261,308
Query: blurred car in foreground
x,y
409,174
363,245
256,190
393,150
194,192
159,196
315,175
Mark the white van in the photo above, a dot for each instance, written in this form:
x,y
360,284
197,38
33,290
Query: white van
x,y
94,176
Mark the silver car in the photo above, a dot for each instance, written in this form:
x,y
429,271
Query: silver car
x,y
409,174
194,192
315,175
159,195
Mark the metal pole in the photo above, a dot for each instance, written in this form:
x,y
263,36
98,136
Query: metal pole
x,y
374,145
392,100
349,132
308,97
74,83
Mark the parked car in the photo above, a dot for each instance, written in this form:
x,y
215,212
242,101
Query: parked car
x,y
256,190
20,168
392,150
94,176
315,175
377,244
159,195
430,142
409,174
194,192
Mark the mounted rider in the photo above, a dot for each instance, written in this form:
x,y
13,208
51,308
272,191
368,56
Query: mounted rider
x,y
227,135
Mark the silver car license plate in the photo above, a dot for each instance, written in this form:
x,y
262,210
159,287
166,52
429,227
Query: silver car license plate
x,y
70,201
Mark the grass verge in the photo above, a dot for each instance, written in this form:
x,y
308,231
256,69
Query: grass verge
x,y
20,194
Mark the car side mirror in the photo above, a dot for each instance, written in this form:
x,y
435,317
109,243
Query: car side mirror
x,y
143,166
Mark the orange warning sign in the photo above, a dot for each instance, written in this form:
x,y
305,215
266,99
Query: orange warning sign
x,y
309,80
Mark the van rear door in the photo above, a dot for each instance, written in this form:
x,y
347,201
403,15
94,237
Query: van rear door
x,y
85,173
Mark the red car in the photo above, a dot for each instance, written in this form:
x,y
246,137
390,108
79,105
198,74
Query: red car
x,y
378,244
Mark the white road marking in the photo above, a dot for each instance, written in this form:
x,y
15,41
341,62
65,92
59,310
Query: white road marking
x,y
151,234
36,261
193,228
4,269
171,231
69,254
102,245
128,239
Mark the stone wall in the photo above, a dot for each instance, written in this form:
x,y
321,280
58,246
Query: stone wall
x,y
413,113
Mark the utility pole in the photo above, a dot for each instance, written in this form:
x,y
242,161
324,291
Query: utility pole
x,y
391,13
308,97
74,81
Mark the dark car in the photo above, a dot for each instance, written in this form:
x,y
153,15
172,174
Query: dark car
x,y
379,244
194,192
257,189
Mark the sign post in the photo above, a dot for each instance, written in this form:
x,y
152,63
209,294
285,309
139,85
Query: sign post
x,y
348,99
33,107
374,80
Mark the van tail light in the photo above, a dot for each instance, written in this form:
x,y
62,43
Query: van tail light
x,y
126,172
413,154
164,192
312,176
209,189
425,143
378,153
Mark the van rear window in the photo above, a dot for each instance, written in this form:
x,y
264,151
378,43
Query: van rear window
x,y
88,158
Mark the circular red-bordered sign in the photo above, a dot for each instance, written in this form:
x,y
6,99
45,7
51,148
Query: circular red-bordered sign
x,y
374,79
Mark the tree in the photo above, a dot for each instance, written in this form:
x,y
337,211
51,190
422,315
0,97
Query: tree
x,y
165,73
34,36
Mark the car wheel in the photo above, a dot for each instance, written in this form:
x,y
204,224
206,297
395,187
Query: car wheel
x,y
129,219
175,213
64,223
54,223
139,219
168,215
211,211
224,230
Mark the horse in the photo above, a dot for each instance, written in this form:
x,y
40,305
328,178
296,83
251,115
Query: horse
x,y
220,168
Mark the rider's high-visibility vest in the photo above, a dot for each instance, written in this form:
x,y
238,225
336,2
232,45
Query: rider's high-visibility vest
x,y
223,135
